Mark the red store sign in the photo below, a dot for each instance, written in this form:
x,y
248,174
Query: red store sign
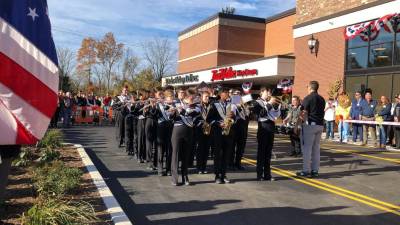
x,y
229,73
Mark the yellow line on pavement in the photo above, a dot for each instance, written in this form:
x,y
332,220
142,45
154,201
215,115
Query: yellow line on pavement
x,y
353,152
364,155
388,207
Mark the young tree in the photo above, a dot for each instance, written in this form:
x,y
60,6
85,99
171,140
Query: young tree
x,y
145,80
65,67
87,57
130,65
159,55
109,52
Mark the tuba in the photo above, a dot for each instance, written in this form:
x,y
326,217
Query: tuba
x,y
228,123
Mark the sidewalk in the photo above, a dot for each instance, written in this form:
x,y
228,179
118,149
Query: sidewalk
x,y
253,125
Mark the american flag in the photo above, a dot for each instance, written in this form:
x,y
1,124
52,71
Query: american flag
x,y
28,71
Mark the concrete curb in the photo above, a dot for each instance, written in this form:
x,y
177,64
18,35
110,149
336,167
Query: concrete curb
x,y
118,215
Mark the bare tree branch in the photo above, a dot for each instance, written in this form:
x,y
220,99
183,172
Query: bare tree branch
x,y
159,55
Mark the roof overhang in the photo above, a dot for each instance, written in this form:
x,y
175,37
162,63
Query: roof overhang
x,y
263,70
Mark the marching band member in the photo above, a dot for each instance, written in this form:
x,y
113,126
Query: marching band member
x,y
164,133
151,129
182,134
267,110
204,137
240,133
119,106
141,138
129,126
221,117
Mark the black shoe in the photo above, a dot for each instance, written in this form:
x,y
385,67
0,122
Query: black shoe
x,y
240,167
217,180
314,173
269,178
227,181
152,168
260,179
186,181
293,154
303,174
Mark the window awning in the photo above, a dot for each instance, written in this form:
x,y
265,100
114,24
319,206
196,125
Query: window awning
x,y
369,31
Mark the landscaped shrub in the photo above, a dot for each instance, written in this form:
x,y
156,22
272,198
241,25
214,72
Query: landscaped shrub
x,y
49,155
55,211
24,158
51,140
55,179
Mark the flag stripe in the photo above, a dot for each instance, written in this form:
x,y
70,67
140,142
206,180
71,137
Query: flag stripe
x,y
8,125
27,87
23,135
34,121
24,53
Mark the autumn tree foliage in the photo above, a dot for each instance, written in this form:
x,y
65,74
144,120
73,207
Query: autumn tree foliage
x,y
105,65
86,57
109,53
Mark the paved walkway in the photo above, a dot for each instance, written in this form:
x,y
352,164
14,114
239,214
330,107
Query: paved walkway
x,y
357,186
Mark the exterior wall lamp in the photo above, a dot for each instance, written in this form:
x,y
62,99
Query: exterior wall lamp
x,y
313,44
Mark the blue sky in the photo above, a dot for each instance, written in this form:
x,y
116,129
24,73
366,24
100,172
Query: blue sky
x,y
134,21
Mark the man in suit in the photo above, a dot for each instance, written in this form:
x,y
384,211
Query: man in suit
x,y
355,113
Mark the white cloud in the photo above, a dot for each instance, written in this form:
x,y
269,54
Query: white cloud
x,y
134,21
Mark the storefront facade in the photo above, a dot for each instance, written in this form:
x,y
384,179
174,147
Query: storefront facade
x,y
366,60
264,71
233,49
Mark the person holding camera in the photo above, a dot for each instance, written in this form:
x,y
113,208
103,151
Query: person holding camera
x,y
292,121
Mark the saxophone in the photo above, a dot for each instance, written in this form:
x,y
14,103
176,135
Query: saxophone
x,y
228,123
206,128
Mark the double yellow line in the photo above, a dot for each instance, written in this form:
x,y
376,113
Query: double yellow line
x,y
361,154
328,147
375,203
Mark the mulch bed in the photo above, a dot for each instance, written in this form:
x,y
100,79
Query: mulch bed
x,y
21,196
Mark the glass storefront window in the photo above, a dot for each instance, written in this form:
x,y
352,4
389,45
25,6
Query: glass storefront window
x,y
380,85
354,84
383,37
357,58
398,51
396,85
381,55
356,42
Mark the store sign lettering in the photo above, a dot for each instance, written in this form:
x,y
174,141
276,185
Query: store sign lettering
x,y
182,79
229,73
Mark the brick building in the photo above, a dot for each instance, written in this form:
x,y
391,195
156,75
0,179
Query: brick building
x,y
232,49
371,61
